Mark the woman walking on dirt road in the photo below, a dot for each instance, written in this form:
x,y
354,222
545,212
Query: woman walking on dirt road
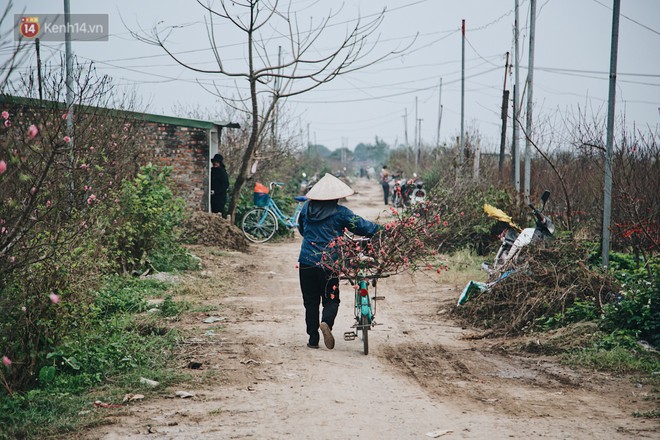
x,y
321,220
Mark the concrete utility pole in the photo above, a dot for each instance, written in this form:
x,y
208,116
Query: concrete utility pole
x,y
69,67
462,147
505,115
69,91
477,160
607,198
418,153
530,80
437,140
415,146
515,153
405,133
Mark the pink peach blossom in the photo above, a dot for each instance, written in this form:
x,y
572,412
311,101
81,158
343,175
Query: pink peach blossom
x,y
32,131
3,166
65,115
5,115
54,298
7,123
67,139
6,361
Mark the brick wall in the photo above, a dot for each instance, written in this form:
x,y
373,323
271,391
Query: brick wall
x,y
186,150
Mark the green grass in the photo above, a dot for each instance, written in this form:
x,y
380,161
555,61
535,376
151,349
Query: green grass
x,y
619,360
464,265
103,360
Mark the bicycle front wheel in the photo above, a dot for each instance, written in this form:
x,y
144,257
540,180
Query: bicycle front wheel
x,y
396,201
259,225
365,325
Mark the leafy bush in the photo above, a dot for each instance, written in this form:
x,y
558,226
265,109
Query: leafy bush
x,y
638,309
462,209
108,342
169,307
580,310
144,225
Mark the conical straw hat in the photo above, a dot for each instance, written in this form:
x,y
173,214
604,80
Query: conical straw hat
x,y
329,188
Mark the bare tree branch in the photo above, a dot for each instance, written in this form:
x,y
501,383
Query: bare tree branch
x,y
299,71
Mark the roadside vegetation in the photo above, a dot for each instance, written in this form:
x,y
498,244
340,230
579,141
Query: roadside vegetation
x,y
85,219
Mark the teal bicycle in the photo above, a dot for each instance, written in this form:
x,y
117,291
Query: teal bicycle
x,y
365,305
261,223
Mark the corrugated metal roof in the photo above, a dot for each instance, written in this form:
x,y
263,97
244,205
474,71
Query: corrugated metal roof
x,y
149,117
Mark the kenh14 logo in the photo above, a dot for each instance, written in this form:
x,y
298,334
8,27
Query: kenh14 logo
x,y
29,27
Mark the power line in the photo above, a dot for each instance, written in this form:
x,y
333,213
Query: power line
x,y
628,18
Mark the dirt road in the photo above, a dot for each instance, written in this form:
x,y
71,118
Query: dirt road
x,y
422,378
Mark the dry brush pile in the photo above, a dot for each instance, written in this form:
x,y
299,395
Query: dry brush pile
x,y
554,277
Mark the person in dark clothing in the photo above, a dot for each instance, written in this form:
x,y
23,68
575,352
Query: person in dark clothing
x,y
219,185
321,220
385,182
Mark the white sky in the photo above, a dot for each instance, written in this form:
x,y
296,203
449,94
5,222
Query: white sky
x,y
572,60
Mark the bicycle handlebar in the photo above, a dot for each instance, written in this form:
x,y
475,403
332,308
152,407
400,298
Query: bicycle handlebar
x,y
369,276
272,184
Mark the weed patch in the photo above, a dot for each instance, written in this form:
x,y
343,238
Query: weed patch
x,y
102,359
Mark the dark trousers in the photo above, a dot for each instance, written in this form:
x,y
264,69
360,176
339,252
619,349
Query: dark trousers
x,y
386,191
317,288
218,202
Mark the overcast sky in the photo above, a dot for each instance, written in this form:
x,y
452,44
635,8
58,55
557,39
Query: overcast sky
x,y
572,60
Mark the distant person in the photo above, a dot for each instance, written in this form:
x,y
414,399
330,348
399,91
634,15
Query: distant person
x,y
385,182
219,185
322,220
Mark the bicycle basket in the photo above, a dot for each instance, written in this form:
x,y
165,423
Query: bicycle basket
x,y
260,195
261,199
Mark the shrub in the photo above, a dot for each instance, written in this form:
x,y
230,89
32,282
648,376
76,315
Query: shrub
x,y
461,206
144,226
637,310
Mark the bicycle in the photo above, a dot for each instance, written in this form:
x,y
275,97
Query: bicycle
x,y
260,223
365,306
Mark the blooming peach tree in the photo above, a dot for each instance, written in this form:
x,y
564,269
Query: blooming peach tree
x,y
55,187
407,242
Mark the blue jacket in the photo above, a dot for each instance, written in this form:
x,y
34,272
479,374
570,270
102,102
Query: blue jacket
x,y
322,221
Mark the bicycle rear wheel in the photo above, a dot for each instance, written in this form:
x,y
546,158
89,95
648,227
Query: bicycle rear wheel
x,y
259,225
364,326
